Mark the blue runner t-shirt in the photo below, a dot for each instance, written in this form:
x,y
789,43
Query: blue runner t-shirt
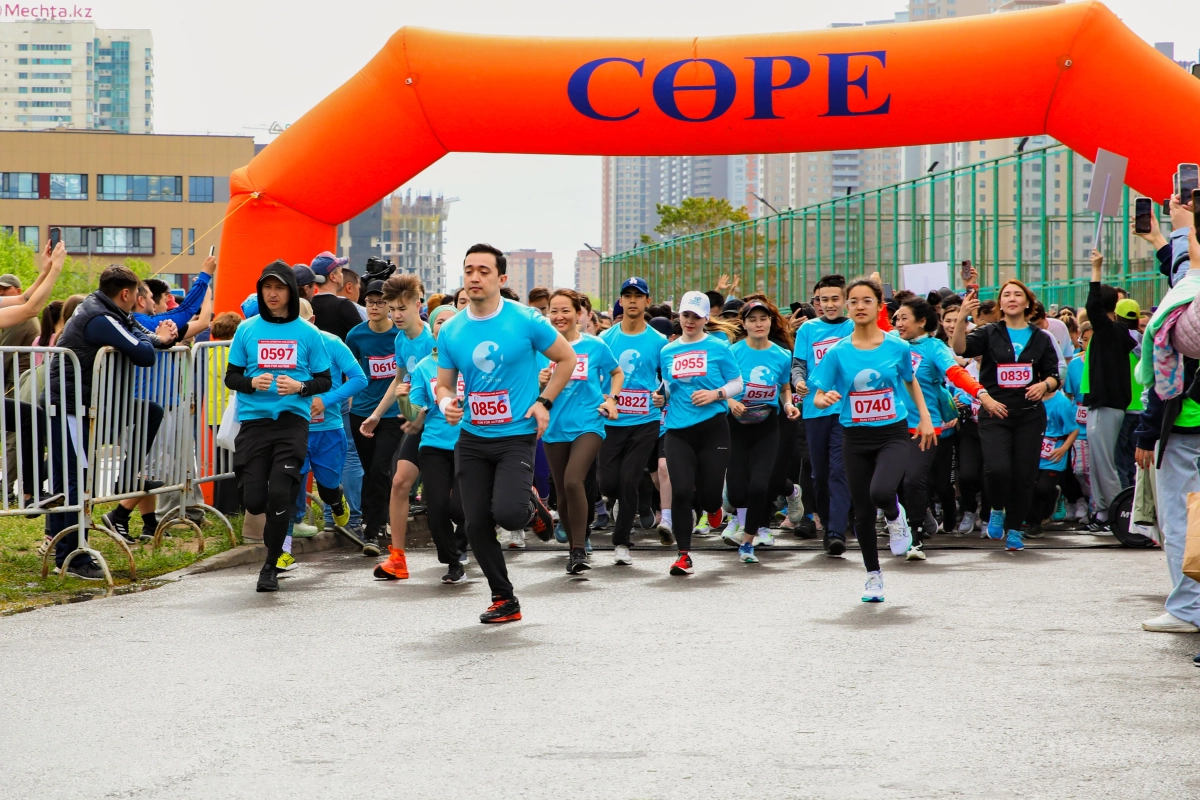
x,y
574,412
813,340
637,354
763,372
437,432
689,366
871,382
348,379
376,354
496,356
291,348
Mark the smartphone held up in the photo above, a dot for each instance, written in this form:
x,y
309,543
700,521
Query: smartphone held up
x,y
1143,208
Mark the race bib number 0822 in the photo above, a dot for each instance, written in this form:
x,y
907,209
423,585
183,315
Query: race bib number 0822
x,y
633,401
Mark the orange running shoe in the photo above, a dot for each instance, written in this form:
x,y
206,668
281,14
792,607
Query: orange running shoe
x,y
395,568
502,609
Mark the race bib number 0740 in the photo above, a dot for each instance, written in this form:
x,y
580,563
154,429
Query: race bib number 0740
x,y
277,354
876,406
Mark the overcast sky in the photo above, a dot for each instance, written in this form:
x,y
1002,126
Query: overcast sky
x,y
224,65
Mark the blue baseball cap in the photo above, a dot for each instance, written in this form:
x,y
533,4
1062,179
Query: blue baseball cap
x,y
325,263
250,306
304,275
636,283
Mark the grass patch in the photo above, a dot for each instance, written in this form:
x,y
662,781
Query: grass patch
x,y
21,583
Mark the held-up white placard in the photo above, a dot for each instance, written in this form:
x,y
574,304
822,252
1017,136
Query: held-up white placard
x,y
1104,197
921,279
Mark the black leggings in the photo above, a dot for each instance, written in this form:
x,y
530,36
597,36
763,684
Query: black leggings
x,y
941,480
443,503
874,459
696,462
378,456
1011,451
752,460
918,465
570,463
1045,492
787,457
970,469
623,456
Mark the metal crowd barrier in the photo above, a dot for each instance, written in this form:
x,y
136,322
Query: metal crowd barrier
x,y
36,437
210,398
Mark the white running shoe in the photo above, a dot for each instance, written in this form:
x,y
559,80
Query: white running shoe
x,y
899,535
968,523
1169,623
795,508
873,590
516,540
621,555
915,553
1081,510
732,535
764,538
303,529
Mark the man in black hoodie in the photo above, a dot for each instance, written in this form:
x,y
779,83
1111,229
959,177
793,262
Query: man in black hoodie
x,y
277,363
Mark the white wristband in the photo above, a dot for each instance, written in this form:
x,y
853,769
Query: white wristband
x,y
445,401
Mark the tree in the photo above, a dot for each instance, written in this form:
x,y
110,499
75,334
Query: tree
x,y
696,215
79,275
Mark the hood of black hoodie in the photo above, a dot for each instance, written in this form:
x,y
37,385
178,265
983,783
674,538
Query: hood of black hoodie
x,y
282,271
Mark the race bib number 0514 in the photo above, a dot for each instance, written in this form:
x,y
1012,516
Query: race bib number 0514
x,y
758,395
277,354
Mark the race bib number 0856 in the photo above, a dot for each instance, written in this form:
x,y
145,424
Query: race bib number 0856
x,y
692,364
490,408
277,354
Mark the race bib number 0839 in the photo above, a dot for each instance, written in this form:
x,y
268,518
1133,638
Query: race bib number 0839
x,y
692,364
277,354
1014,376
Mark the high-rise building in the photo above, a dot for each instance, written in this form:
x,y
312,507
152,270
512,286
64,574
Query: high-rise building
x,y
405,228
587,272
629,189
527,269
72,74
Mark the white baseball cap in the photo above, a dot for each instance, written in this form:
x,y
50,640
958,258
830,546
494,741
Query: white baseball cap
x,y
695,302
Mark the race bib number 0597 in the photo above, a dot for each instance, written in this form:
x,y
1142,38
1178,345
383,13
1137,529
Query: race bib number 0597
x,y
277,354
692,364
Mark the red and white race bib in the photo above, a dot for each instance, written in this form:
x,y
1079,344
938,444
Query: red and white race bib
x,y
381,367
917,358
1081,415
875,406
433,389
757,394
490,408
633,401
277,354
1048,446
317,418
692,364
580,372
975,406
821,348
1014,376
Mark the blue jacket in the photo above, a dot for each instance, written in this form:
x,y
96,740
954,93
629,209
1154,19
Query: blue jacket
x,y
182,314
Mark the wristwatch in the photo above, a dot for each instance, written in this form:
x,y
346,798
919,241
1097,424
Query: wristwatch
x,y
549,404
720,394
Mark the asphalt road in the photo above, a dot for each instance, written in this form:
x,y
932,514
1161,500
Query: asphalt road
x,y
984,674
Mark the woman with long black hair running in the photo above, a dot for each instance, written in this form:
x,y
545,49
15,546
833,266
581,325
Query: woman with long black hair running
x,y
933,363
700,374
572,439
869,369
754,421
1019,366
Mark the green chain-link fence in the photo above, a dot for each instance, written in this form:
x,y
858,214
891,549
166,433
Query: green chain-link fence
x,y
1020,215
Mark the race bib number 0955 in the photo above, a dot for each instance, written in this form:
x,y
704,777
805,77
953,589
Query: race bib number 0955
x,y
1014,376
876,406
490,408
277,354
692,364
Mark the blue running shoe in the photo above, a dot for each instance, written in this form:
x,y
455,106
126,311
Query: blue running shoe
x,y
560,535
995,526
1060,509
588,545
746,554
1015,541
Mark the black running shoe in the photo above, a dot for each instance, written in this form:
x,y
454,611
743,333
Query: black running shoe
x,y
601,522
646,521
267,580
116,526
1034,531
834,545
456,573
577,562
371,544
85,569
806,528
502,609
149,485
542,523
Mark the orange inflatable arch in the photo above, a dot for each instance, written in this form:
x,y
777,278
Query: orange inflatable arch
x,y
1074,72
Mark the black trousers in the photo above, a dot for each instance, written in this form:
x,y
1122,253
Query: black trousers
x,y
1011,451
443,503
377,455
874,459
497,480
696,461
784,475
969,464
623,457
941,480
1045,492
267,461
752,460
31,421
917,468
